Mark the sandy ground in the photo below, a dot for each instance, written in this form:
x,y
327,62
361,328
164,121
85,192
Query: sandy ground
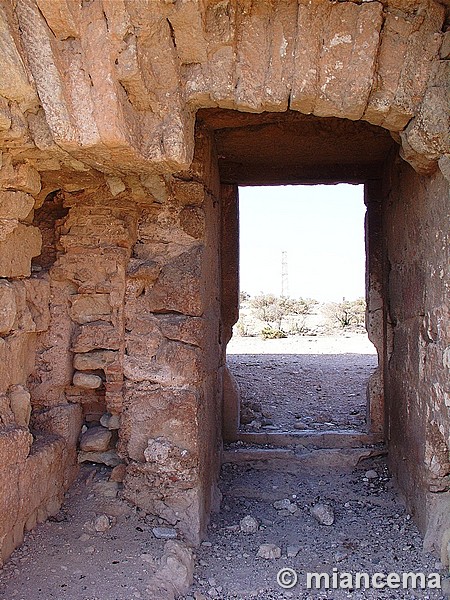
x,y
301,382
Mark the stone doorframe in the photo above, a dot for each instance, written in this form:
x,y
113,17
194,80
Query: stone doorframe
x,y
376,323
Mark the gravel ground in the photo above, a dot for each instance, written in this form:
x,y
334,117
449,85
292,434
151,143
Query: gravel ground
x,y
317,383
372,533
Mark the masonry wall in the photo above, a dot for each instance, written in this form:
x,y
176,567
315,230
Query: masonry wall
x,y
416,229
37,449
172,406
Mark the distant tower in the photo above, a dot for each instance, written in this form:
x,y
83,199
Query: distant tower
x,y
284,275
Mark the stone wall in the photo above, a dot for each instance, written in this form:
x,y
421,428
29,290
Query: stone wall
x,y
417,357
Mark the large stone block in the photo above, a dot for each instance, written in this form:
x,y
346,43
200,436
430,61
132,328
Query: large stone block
x,y
90,307
20,402
179,286
15,205
17,359
15,445
7,307
17,250
348,59
151,411
95,335
22,177
15,82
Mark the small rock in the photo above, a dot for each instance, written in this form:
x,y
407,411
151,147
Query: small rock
x,y
293,508
323,513
282,504
340,556
102,523
269,551
84,537
206,544
164,533
96,439
108,489
110,421
118,473
148,558
283,513
292,551
199,596
371,474
300,425
109,458
249,524
87,380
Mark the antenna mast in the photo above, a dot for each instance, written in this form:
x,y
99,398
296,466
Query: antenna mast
x,y
284,275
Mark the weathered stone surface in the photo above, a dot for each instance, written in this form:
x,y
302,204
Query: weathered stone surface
x,y
64,420
15,445
110,458
90,307
62,17
323,513
92,336
17,356
17,250
7,307
111,422
22,177
91,361
20,402
129,278
87,381
352,31
160,411
269,551
15,82
175,574
15,205
96,439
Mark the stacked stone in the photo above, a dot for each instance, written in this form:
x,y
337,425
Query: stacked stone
x,y
98,237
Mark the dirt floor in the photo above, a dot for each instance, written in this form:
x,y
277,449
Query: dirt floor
x,y
67,559
300,383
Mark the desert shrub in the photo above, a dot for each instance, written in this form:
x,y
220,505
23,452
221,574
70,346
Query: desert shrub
x,y
269,333
273,309
347,313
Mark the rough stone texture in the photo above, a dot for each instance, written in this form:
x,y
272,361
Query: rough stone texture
x,y
96,439
104,176
17,249
417,373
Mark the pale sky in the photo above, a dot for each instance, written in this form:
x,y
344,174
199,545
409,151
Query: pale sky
x,y
321,227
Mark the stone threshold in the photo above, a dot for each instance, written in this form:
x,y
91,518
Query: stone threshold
x,y
308,439
294,460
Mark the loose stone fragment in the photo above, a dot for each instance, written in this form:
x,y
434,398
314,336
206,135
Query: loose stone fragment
x,y
96,439
323,513
249,524
164,533
87,381
269,551
102,523
371,474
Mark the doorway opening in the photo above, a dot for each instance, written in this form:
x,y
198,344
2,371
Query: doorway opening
x,y
300,354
